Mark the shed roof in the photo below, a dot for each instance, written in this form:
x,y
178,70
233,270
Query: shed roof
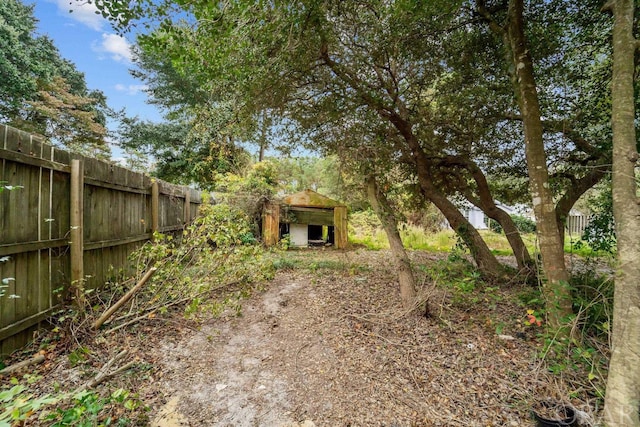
x,y
310,199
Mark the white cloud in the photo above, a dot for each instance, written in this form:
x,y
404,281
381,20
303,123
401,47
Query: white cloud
x,y
131,89
117,47
81,11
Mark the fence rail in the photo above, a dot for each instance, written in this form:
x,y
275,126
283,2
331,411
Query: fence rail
x,y
70,218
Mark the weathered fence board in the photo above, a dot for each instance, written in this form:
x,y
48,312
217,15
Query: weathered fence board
x,y
116,217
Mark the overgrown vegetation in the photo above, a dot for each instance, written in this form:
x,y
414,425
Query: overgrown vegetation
x,y
217,252
208,270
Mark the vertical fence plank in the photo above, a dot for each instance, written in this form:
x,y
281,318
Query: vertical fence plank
x,y
94,213
155,207
187,206
77,235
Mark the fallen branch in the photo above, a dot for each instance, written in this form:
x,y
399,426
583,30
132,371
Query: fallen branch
x,y
130,322
17,366
144,314
104,374
97,381
126,297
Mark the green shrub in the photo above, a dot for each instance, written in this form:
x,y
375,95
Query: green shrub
x,y
600,233
216,253
523,224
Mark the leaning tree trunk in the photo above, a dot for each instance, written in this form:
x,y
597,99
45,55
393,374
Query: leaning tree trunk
x,y
622,400
556,291
383,210
486,203
511,232
487,263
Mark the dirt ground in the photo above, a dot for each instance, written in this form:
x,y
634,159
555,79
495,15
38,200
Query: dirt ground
x,y
326,343
331,347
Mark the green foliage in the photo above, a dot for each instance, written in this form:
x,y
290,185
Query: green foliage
x,y
363,225
579,362
224,225
457,275
261,180
593,301
523,224
364,229
43,93
580,358
285,263
78,356
17,405
303,261
218,252
326,175
88,408
600,232
185,151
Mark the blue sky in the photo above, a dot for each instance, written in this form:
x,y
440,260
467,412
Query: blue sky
x,y
88,40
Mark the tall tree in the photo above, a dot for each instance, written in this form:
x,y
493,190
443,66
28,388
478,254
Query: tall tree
x,y
66,118
519,57
184,152
42,92
622,401
385,213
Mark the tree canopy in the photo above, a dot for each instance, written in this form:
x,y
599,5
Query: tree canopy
x,y
431,90
453,100
42,92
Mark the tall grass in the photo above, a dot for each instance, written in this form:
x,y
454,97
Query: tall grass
x,y
416,238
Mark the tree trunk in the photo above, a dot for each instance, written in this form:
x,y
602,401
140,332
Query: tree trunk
x,y
488,206
487,263
263,137
511,232
623,384
556,291
577,189
383,210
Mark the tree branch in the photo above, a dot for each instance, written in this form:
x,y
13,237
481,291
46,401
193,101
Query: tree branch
x,y
482,10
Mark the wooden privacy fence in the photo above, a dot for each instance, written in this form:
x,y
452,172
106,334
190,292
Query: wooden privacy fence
x,y
70,218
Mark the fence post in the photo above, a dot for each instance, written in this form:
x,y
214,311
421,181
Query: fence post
x,y
187,207
340,227
155,207
77,233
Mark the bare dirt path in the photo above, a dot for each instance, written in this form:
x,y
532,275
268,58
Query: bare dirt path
x,y
224,375
326,345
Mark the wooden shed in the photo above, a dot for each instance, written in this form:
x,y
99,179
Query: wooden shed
x,y
309,218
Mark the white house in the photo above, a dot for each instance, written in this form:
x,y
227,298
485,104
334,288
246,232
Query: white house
x,y
479,220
